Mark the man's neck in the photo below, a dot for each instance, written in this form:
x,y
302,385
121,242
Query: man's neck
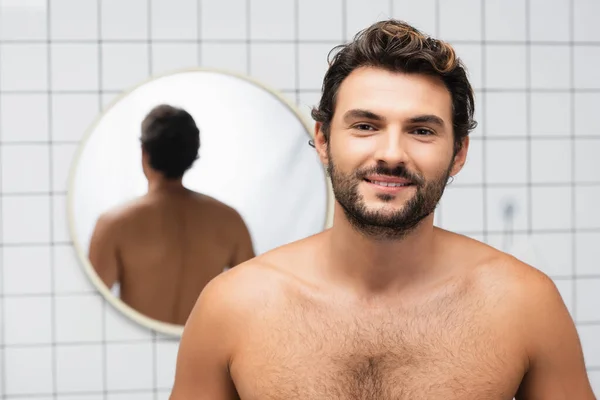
x,y
158,184
376,267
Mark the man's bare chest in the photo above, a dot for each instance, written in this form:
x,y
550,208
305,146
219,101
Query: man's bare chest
x,y
439,355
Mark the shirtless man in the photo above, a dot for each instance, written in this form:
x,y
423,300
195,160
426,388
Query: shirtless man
x,y
165,246
384,305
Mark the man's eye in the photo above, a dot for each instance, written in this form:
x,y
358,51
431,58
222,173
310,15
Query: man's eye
x,y
423,132
363,127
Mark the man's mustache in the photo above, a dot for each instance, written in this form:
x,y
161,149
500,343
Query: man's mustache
x,y
398,172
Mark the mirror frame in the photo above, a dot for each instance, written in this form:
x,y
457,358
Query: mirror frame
x,y
141,319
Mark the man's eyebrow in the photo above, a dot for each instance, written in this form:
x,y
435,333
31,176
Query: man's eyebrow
x,y
427,119
360,113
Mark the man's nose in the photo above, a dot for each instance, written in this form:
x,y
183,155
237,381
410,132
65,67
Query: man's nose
x,y
391,149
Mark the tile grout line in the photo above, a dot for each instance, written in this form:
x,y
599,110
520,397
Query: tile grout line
x,y
104,307
483,104
529,150
50,85
573,177
2,308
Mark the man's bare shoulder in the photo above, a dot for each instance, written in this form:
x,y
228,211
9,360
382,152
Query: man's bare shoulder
x,y
263,281
122,213
507,282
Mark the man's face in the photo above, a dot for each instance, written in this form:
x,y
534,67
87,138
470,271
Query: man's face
x,y
390,150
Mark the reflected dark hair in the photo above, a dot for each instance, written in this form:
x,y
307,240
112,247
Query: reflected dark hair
x,y
171,139
397,46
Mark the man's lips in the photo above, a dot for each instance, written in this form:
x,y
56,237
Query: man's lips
x,y
386,180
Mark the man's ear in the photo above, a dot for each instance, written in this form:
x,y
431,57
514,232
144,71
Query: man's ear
x,y
321,143
461,157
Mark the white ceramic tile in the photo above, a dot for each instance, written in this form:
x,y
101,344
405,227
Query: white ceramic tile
x,y
129,366
589,335
74,20
169,57
588,253
228,56
323,25
121,22
505,20
594,377
498,199
120,327
26,219
506,161
79,368
549,20
21,264
272,20
460,20
60,230
23,66
174,19
550,114
74,66
498,107
124,65
420,14
587,122
551,208
505,66
78,318
62,159
132,396
314,65
69,276
550,67
472,171
471,56
586,60
166,360
278,72
462,209
73,115
479,114
565,289
361,14
28,371
587,165
25,168
16,124
586,14
213,13
587,291
108,98
551,161
77,396
163,395
36,328
23,22
587,214
554,253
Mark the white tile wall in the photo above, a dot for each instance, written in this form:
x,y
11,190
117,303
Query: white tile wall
x,y
73,345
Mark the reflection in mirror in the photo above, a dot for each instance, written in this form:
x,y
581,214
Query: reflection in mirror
x,y
184,177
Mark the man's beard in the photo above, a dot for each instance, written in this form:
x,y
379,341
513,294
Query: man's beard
x,y
384,224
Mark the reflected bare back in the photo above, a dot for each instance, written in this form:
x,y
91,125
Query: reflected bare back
x,y
169,245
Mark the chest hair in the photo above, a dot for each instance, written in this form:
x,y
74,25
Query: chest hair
x,y
444,349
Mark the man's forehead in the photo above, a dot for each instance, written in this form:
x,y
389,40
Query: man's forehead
x,y
394,94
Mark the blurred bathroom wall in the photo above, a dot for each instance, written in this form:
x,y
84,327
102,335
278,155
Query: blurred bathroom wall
x,y
531,185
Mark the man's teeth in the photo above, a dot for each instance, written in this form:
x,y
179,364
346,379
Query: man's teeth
x,y
390,184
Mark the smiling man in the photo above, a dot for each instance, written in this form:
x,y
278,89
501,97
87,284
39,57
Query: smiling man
x,y
384,305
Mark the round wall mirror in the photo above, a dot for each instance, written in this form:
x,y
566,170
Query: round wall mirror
x,y
183,177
